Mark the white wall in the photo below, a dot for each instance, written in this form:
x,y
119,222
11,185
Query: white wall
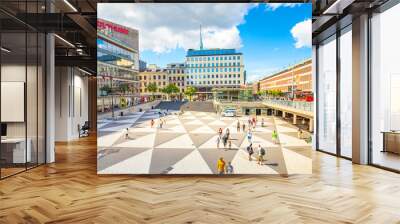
x,y
71,103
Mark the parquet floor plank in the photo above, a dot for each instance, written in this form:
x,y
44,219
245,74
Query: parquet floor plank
x,y
70,191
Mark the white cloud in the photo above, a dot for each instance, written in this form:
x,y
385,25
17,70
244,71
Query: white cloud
x,y
274,6
301,33
164,27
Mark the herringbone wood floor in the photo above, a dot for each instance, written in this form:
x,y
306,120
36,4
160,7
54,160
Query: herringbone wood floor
x,y
69,191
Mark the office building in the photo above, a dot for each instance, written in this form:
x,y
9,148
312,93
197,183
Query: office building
x,y
294,81
142,66
176,75
152,75
117,66
214,68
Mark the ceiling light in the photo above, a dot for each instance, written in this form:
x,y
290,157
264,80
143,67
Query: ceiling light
x,y
5,50
86,72
70,5
65,41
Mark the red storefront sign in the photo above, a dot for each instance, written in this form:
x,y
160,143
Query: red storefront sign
x,y
104,25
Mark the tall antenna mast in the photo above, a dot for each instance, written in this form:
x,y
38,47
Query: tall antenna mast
x,y
201,40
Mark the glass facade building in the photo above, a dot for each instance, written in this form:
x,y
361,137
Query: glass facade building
x,y
214,68
117,67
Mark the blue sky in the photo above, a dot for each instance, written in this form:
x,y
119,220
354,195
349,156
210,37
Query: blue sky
x,y
270,36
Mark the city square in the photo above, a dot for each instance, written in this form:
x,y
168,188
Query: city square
x,y
187,144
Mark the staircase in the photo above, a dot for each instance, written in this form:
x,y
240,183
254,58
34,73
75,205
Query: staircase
x,y
170,105
203,106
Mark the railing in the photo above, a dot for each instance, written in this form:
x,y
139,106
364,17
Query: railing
x,y
300,105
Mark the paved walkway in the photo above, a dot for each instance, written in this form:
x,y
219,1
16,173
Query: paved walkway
x,y
187,144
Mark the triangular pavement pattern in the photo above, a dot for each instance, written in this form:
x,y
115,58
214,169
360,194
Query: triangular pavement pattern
x,y
139,164
203,129
132,136
256,140
117,156
145,141
182,142
162,137
191,164
218,123
143,129
190,128
281,128
163,159
211,143
242,165
211,156
237,139
199,139
194,122
287,140
108,140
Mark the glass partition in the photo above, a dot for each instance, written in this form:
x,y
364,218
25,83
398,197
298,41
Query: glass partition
x,y
22,101
385,89
13,86
346,92
327,95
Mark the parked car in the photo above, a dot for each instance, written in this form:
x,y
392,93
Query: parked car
x,y
229,113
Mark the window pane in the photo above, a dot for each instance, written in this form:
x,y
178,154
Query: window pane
x,y
327,96
346,94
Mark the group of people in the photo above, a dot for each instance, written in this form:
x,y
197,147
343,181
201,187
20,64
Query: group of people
x,y
224,168
224,138
161,122
260,153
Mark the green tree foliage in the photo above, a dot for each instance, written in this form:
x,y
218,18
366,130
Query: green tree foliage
x,y
170,89
153,88
190,91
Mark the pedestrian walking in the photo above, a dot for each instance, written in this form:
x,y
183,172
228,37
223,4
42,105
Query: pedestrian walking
x,y
228,133
229,168
262,122
220,132
225,140
299,133
230,144
238,126
161,123
221,166
244,127
249,136
218,141
261,154
152,123
127,133
275,137
250,150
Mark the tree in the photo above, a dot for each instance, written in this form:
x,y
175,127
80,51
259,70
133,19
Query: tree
x,y
190,91
152,87
170,90
124,87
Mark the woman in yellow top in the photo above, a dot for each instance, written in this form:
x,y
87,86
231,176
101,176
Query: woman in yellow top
x,y
221,166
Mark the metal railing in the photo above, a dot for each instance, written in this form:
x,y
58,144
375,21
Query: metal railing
x,y
300,105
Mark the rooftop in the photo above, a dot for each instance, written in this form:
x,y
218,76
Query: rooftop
x,y
206,52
